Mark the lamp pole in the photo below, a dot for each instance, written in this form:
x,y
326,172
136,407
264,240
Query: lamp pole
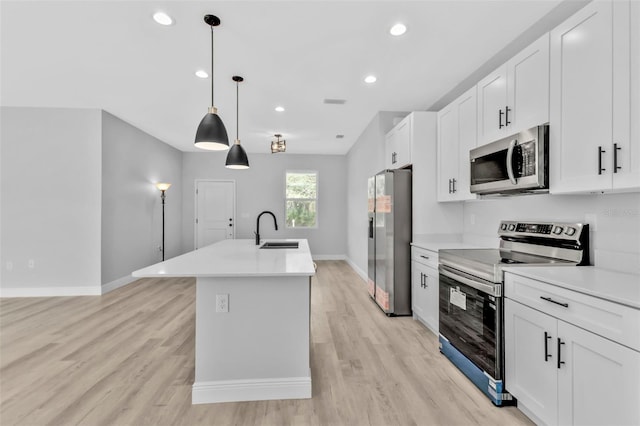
x,y
162,196
163,188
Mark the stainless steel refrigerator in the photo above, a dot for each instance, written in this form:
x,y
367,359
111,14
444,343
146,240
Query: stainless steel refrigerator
x,y
389,259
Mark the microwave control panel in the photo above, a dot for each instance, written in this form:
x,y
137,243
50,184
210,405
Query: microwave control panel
x,y
527,166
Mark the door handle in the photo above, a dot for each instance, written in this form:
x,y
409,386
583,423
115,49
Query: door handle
x,y
370,227
500,114
453,182
512,177
600,152
231,224
546,346
449,186
506,116
616,148
560,343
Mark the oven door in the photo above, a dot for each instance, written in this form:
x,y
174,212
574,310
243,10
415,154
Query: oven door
x,y
471,318
513,164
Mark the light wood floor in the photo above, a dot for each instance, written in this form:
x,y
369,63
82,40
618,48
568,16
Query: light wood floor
x,y
127,358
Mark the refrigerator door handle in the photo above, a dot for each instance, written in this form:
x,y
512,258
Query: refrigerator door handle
x,y
370,227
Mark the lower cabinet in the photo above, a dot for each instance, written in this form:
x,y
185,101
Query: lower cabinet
x,y
563,374
424,288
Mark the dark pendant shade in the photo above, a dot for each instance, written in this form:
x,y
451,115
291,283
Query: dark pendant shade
x,y
237,157
211,133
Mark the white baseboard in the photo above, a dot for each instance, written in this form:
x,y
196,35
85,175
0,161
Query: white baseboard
x,y
120,282
359,271
251,390
328,257
49,291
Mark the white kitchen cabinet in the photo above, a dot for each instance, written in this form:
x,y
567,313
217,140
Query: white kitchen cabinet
x,y
529,374
424,287
515,97
398,144
564,374
457,135
593,126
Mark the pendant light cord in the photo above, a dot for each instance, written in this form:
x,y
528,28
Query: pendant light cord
x,y
212,104
237,109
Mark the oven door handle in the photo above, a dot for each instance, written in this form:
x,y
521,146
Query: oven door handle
x,y
493,290
512,177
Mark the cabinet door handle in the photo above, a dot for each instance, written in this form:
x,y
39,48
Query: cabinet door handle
x,y
547,355
506,116
560,343
600,152
548,299
453,181
424,257
449,186
421,280
616,148
500,114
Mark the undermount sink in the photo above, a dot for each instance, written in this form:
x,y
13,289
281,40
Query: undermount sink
x,y
279,245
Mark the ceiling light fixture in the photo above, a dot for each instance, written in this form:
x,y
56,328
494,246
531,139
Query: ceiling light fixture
x,y
278,145
370,79
211,133
202,74
162,18
279,109
237,157
398,29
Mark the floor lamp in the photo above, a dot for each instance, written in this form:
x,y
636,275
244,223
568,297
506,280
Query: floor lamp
x,y
162,187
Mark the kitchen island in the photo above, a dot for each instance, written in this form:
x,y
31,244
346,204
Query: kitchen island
x,y
252,319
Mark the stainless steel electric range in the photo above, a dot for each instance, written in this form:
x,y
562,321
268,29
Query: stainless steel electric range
x,y
471,306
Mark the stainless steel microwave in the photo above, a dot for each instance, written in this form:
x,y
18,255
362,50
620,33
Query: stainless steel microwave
x,y
518,163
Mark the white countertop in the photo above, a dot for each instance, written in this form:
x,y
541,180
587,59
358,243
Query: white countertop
x,y
439,243
602,283
235,258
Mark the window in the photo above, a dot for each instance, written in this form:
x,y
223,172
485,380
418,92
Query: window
x,y
302,199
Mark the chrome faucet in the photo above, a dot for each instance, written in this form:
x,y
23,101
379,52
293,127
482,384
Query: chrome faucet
x,y
275,223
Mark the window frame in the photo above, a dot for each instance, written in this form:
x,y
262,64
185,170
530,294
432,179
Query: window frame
x,y
316,199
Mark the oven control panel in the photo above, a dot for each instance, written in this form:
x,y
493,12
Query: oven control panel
x,y
567,231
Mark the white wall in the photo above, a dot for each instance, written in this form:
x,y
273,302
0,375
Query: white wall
x,y
262,188
615,241
132,162
50,201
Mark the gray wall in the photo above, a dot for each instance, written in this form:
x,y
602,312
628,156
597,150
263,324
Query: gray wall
x,y
262,188
50,199
132,163
615,241
364,159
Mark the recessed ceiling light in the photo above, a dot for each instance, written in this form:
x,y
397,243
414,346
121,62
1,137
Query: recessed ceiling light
x,y
398,29
370,79
202,74
162,18
279,109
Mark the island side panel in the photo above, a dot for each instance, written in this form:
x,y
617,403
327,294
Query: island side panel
x,y
258,350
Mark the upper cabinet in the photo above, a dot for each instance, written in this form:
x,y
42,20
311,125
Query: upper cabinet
x,y
457,134
515,97
594,136
398,144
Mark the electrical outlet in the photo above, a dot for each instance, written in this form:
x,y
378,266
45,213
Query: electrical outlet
x,y
222,303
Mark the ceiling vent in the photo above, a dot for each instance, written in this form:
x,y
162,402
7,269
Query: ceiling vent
x,y
335,101
339,136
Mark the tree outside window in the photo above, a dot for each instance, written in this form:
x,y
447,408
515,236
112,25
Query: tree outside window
x,y
302,199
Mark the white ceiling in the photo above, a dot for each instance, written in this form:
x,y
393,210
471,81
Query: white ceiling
x,y
112,55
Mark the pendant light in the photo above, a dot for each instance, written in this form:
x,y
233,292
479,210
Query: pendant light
x,y
278,145
211,133
237,157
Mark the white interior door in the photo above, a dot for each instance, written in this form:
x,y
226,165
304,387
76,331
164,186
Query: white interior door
x,y
215,211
